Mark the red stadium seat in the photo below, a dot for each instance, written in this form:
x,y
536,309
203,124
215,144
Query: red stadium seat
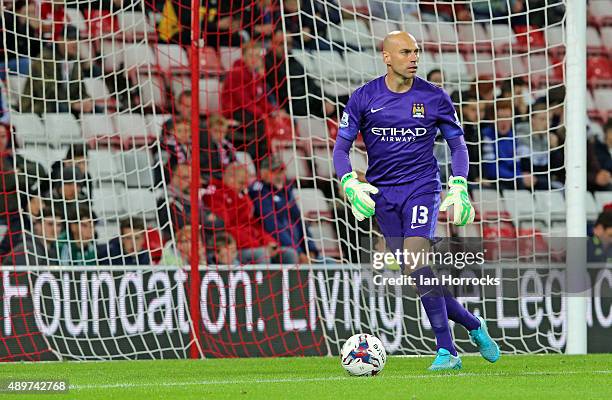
x,y
530,36
599,70
593,41
100,22
153,243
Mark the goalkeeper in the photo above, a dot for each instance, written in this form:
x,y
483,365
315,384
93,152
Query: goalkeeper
x,y
398,116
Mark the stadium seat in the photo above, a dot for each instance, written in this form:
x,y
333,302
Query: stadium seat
x,y
606,37
107,230
419,31
323,233
521,206
555,39
363,65
592,210
359,161
592,109
603,101
141,203
229,55
473,35
156,123
209,61
97,90
593,40
481,64
112,55
172,58
602,199
314,128
599,70
600,11
380,29
138,57
97,126
44,155
323,164
551,204
104,165
454,67
62,128
327,64
210,96
131,126
15,85
529,36
489,203
109,201
245,159
511,65
312,202
137,164
444,35
353,33
134,24
28,128
296,167
540,66
427,62
75,18
502,36
151,91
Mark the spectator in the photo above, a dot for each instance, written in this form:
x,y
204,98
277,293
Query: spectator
x,y
15,227
223,251
435,76
470,122
275,205
21,38
76,244
40,245
176,212
501,151
129,248
4,106
76,157
70,188
217,151
598,246
229,200
307,98
180,254
598,178
244,98
604,149
496,10
56,80
517,91
544,154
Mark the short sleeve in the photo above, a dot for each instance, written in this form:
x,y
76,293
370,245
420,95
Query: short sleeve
x,y
448,121
351,117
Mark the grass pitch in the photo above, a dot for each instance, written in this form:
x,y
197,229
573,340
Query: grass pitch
x,y
512,377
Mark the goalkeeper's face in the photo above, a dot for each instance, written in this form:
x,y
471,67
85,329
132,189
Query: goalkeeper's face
x,y
401,53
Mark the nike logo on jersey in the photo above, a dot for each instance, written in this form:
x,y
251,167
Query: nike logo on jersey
x,y
412,226
375,110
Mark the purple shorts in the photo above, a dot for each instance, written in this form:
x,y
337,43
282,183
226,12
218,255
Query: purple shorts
x,y
408,210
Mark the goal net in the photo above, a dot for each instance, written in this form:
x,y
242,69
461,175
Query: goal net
x,y
169,188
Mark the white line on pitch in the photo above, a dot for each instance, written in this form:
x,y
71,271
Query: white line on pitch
x,y
330,378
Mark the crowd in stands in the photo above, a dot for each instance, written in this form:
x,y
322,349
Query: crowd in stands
x,y
246,206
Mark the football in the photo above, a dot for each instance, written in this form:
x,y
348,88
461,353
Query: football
x,y
363,355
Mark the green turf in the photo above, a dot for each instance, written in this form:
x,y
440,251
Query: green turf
x,y
513,377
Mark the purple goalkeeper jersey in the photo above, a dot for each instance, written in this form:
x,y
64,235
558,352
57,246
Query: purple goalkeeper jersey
x,y
399,129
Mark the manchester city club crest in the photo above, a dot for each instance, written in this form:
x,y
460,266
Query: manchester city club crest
x,y
418,110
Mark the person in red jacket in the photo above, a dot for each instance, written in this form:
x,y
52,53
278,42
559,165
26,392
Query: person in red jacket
x,y
229,200
244,98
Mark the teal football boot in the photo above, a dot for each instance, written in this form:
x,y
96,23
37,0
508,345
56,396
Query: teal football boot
x,y
489,350
445,361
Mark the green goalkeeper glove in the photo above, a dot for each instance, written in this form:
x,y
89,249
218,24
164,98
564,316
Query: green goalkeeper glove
x,y
358,193
458,198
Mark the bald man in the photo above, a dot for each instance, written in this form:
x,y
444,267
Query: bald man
x,y
399,115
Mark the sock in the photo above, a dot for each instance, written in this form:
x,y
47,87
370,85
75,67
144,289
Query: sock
x,y
458,313
434,303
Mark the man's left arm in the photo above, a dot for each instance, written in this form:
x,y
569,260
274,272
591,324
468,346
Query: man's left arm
x,y
457,197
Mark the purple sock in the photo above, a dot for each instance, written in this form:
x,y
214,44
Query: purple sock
x,y
456,312
433,301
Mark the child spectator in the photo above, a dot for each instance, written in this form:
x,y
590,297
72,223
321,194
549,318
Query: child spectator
x,y
129,248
